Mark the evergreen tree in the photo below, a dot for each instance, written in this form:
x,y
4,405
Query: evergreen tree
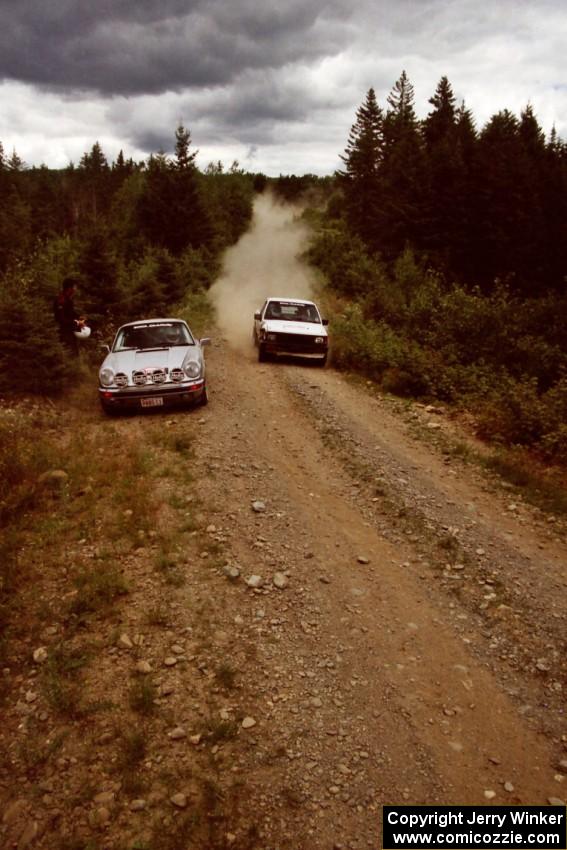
x,y
362,158
445,223
184,159
98,267
504,218
402,175
172,211
15,163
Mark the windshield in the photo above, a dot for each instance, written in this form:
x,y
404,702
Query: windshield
x,y
292,312
152,335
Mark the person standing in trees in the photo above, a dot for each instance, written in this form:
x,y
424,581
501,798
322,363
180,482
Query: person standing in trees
x,y
66,315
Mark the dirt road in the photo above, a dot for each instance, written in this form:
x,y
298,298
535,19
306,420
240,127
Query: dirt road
x,y
416,653
253,624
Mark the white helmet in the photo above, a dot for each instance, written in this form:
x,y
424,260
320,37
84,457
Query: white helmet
x,y
83,333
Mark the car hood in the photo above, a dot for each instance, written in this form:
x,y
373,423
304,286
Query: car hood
x,y
163,358
305,328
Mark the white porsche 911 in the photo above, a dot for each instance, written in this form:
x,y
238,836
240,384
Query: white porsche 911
x,y
153,363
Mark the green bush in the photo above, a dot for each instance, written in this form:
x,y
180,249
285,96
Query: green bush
x,y
32,359
502,356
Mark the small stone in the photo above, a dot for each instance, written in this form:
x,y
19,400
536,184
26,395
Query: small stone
x,y
12,812
280,580
489,794
248,723
55,479
124,642
211,529
104,798
258,506
30,832
231,572
179,801
254,581
137,805
143,667
106,738
509,787
170,661
555,801
177,734
362,559
40,655
195,739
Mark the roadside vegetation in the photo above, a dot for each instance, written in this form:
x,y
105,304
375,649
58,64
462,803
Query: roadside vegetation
x,y
444,250
139,236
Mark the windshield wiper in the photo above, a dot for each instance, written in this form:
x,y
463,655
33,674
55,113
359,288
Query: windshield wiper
x,y
153,348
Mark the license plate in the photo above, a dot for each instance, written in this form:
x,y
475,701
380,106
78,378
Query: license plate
x,y
152,402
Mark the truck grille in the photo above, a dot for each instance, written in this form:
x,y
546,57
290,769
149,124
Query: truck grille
x,y
298,343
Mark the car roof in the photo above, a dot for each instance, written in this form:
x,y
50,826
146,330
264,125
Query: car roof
x,y
291,300
142,322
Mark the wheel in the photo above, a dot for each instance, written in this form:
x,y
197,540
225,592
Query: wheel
x,y
204,398
322,362
262,356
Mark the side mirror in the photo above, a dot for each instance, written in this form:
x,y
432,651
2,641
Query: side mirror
x,y
325,321
258,315
205,341
105,347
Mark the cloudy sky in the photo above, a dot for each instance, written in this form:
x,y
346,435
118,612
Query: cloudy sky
x,y
274,85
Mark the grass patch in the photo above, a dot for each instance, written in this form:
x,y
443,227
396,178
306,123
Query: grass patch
x,y
222,730
34,751
157,615
60,679
97,589
537,488
226,676
168,566
132,752
142,696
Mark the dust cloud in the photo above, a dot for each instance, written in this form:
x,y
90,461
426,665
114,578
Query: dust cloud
x,y
265,262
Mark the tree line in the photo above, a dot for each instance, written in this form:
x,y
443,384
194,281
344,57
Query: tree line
x,y
447,248
481,205
138,235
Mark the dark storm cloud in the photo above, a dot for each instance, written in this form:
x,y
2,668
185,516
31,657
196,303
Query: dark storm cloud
x,y
143,46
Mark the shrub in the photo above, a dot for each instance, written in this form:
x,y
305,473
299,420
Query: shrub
x,y
32,359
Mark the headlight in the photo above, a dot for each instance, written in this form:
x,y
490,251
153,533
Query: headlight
x,y
192,369
319,340
106,376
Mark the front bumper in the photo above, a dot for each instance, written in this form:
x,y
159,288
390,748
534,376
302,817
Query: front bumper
x,y
294,344
140,398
